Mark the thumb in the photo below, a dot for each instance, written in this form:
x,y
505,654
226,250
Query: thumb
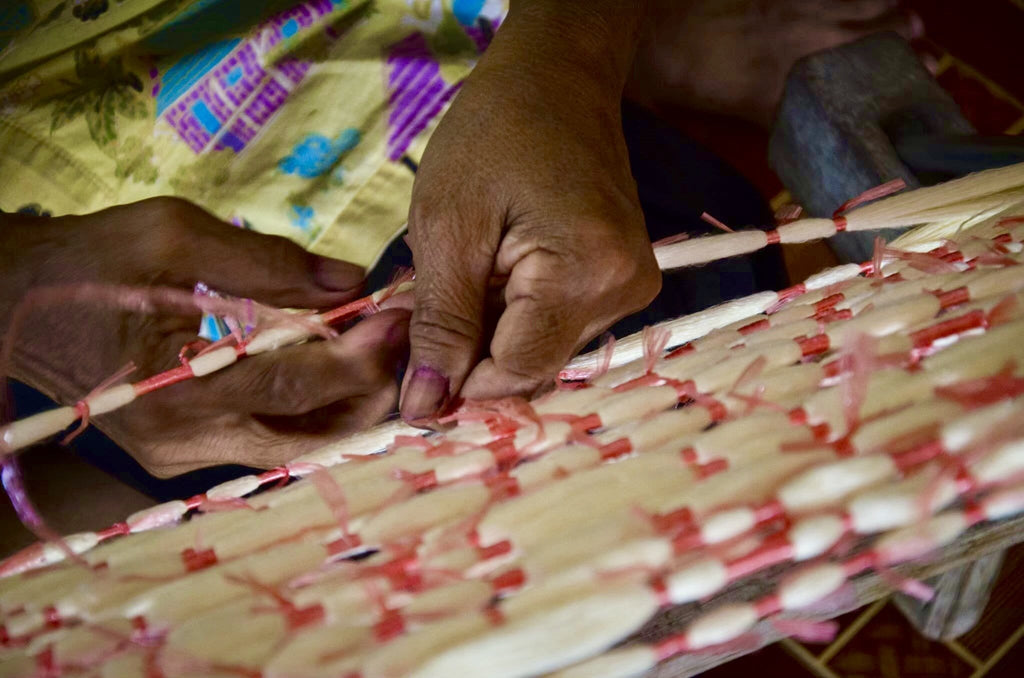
x,y
446,331
270,269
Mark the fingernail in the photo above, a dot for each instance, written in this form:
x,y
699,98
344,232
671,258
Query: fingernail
x,y
426,394
336,275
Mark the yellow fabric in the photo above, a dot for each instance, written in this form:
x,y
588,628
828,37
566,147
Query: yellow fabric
x,y
92,94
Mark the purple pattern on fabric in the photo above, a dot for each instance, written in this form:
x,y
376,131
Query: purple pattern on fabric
x,y
416,91
429,106
241,91
480,37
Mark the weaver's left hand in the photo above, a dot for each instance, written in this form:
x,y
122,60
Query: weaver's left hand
x,y
263,410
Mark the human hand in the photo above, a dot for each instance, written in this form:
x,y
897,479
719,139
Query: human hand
x,y
262,411
525,226
732,56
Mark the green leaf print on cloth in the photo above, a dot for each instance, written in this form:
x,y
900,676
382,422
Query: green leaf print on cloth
x,y
103,91
450,39
203,179
135,161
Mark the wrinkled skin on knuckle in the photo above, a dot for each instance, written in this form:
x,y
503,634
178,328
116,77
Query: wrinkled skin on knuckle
x,y
279,383
543,352
453,260
435,326
583,273
451,226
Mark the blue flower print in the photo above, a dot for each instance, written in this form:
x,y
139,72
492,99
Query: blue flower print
x,y
466,11
316,154
302,216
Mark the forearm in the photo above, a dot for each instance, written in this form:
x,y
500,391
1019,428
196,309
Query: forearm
x,y
592,41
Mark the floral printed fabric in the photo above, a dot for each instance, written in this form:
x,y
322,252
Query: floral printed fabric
x,y
302,119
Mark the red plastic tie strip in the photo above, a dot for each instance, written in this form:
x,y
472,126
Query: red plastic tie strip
x,y
504,452
820,432
716,408
495,550
343,544
587,423
306,616
756,326
792,292
815,345
274,474
419,481
711,468
773,552
960,295
495,617
115,530
670,647
829,302
769,511
682,350
974,513
502,486
660,590
707,218
52,618
927,336
860,563
672,522
768,605
390,626
46,664
616,449
880,191
834,316
510,580
198,560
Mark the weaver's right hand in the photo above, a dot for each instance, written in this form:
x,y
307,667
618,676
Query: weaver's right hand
x,y
526,229
262,411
